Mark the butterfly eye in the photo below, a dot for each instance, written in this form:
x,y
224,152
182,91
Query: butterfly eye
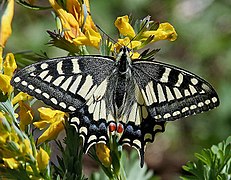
x,y
125,50
121,50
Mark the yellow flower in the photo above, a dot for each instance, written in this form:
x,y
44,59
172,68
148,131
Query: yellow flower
x,y
1,115
24,147
126,42
91,38
122,23
144,36
165,32
14,146
5,84
21,96
42,159
53,120
25,114
77,24
1,59
11,163
134,55
5,26
9,66
103,153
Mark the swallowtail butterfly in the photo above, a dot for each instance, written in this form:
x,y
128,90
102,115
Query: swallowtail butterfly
x,y
104,96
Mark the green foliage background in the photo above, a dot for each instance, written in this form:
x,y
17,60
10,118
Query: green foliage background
x,y
203,47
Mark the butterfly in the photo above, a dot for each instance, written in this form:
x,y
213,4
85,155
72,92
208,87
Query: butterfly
x,y
105,96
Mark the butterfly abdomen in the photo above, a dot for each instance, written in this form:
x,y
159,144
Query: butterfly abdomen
x,y
120,90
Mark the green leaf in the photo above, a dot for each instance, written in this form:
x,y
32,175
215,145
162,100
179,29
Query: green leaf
x,y
130,164
70,164
135,172
205,157
28,57
213,163
59,41
3,97
146,54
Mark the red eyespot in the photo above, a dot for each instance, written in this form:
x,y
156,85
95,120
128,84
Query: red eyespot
x,y
120,128
112,127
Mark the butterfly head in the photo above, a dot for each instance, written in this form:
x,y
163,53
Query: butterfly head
x,y
123,60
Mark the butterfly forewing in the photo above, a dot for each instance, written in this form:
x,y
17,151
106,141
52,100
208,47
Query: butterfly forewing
x,y
170,92
65,83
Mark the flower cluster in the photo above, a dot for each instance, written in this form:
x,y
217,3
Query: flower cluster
x,y
8,66
76,23
5,23
146,32
18,152
51,120
19,156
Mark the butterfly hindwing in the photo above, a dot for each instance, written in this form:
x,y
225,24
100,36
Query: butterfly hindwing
x,y
170,92
139,127
91,131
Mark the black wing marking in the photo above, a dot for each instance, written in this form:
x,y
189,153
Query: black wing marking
x,y
170,92
64,83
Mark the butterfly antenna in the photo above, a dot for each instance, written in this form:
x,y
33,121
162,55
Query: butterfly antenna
x,y
105,34
109,37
